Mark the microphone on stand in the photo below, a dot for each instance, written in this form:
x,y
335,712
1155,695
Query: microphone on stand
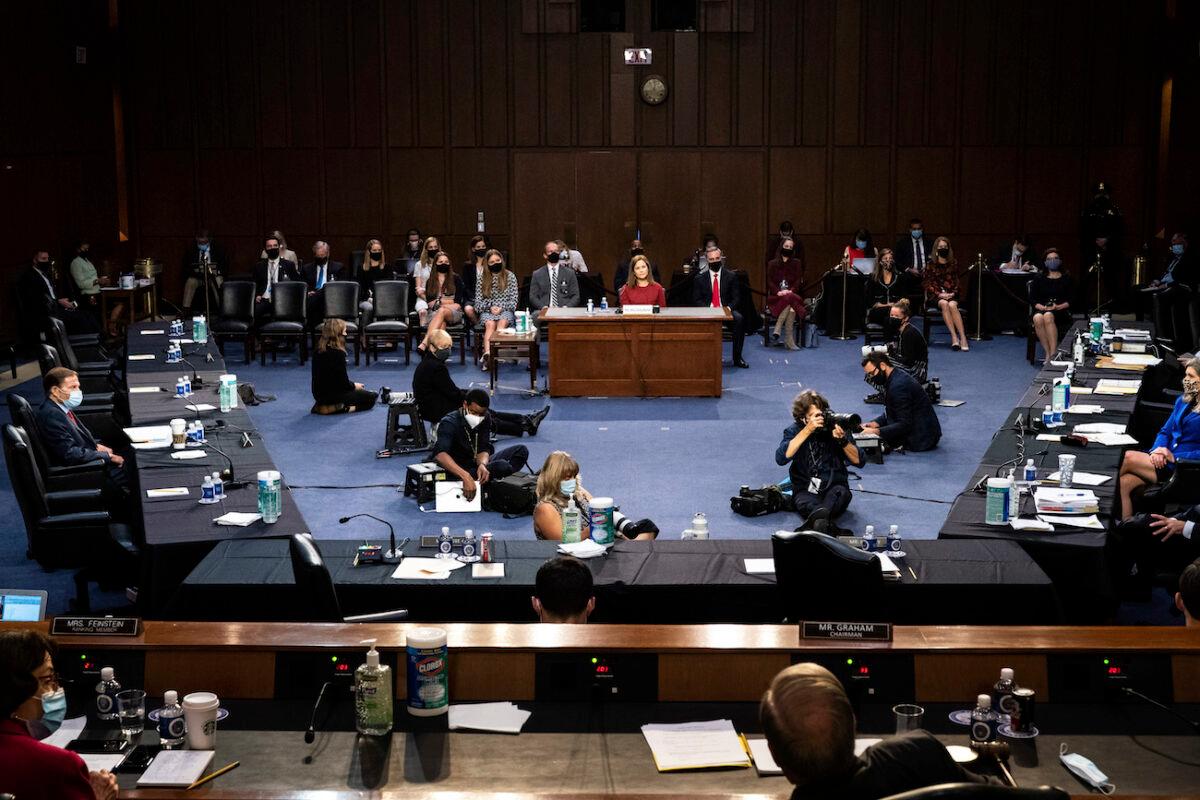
x,y
1163,707
310,734
197,381
392,554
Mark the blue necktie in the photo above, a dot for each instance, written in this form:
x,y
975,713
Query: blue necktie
x,y
320,277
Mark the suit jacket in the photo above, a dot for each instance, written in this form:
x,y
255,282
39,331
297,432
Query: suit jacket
x,y
1181,432
539,288
287,272
436,393
702,288
903,251
38,771
66,444
908,419
1186,272
35,294
333,271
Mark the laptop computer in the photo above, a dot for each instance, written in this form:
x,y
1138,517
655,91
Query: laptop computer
x,y
22,605
449,498
864,266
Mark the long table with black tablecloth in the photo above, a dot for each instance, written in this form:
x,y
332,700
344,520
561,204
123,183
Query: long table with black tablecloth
x,y
644,582
1073,557
179,530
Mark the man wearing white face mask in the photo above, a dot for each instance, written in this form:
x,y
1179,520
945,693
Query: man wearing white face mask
x,y
66,438
464,447
30,695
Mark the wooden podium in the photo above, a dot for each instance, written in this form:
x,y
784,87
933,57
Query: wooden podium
x,y
675,353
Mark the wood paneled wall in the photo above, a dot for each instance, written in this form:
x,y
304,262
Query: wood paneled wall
x,y
344,119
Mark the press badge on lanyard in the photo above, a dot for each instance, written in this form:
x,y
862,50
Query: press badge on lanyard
x,y
814,485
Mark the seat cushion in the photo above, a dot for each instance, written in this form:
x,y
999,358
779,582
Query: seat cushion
x,y
386,326
279,326
231,326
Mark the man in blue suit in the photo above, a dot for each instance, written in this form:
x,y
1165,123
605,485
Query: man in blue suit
x,y
908,418
66,438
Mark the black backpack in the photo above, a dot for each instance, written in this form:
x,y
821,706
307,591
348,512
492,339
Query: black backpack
x,y
514,496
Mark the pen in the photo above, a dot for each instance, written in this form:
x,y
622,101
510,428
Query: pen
x,y
911,572
216,774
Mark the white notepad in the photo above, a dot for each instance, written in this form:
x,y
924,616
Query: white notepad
x,y
695,745
98,761
144,389
178,768
764,762
174,491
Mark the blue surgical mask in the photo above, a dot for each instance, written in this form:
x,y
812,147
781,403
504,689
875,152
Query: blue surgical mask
x,y
74,400
917,233
568,486
1177,249
203,248
1053,264
1083,768
54,709
860,244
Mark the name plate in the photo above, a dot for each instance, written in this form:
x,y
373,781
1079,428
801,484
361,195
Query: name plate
x,y
95,626
853,631
637,309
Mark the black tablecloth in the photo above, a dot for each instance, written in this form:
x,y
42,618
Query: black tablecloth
x,y
651,582
1004,301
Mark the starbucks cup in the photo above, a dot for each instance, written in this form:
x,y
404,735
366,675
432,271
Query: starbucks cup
x,y
178,433
200,714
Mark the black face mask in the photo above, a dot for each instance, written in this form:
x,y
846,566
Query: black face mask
x,y
495,267
480,253
787,252
638,251
443,268
715,266
376,256
272,253
943,252
553,257
43,265
894,323
432,253
322,261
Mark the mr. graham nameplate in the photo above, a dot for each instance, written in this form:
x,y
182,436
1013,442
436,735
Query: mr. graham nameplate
x,y
95,626
843,631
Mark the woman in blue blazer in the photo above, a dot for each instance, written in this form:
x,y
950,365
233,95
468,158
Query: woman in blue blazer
x,y
1179,438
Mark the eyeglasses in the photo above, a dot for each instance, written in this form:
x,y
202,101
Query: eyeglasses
x,y
50,682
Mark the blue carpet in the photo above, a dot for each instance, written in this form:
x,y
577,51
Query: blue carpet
x,y
660,458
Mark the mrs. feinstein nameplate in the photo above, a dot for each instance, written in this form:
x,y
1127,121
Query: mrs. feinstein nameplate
x,y
95,626
847,631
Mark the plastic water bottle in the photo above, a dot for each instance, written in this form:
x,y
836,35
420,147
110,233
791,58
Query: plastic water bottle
x,y
207,490
180,391
106,695
187,386
1047,417
604,303
1059,398
868,540
171,725
445,544
572,522
218,487
200,439
470,547
591,307
1002,692
196,328
1030,476
225,394
983,720
202,336
894,545
269,495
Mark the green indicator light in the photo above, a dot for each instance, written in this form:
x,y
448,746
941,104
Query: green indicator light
x,y
334,659
849,662
595,660
1106,662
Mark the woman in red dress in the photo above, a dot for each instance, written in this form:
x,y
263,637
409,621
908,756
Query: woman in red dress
x,y
641,289
785,293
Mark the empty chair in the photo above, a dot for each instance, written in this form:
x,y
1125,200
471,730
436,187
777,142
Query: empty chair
x,y
235,318
287,320
93,360
981,791
67,529
316,586
822,578
56,478
341,302
390,317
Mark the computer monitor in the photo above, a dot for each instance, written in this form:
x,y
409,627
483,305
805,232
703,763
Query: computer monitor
x,y
22,605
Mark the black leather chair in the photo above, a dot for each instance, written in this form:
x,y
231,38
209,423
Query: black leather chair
x,y
390,317
316,586
341,302
67,529
933,315
355,264
822,578
92,361
1162,313
981,791
235,318
1181,490
288,310
77,476
99,391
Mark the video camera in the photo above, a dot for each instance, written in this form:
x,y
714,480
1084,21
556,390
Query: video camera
x,y
851,423
757,502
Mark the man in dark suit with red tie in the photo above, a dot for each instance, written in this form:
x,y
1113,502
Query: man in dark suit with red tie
x,y
718,287
66,438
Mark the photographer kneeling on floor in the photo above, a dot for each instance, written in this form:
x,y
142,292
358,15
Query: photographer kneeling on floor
x,y
818,450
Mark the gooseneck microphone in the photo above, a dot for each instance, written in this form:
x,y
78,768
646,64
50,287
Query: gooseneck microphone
x,y
310,735
197,381
1162,706
392,554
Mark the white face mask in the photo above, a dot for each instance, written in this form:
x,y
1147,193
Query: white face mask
x,y
473,420
1083,768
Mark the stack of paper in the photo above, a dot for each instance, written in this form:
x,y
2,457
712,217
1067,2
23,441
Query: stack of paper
x,y
1082,408
1132,334
695,745
238,519
890,571
585,549
179,768
426,569
490,717
1117,386
1081,478
150,437
1135,360
1066,501
1088,428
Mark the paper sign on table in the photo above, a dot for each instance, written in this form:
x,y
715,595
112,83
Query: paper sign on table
x,y
493,570
154,332
174,491
760,566
142,357
144,389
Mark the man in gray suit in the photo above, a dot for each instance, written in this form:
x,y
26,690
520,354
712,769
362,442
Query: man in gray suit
x,y
552,286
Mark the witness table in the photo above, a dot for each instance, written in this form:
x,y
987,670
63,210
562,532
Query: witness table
x,y
643,582
676,353
144,293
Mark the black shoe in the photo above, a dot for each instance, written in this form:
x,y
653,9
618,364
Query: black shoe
x,y
385,395
534,420
741,362
874,399
837,530
817,521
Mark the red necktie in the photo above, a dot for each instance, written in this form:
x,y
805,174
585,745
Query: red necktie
x,y
716,300
71,416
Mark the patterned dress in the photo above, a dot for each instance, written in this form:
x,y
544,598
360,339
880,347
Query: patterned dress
x,y
506,300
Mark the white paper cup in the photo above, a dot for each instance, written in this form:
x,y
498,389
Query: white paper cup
x,y
200,714
178,433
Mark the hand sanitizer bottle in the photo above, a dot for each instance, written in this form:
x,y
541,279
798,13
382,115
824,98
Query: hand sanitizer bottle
x,y
373,695
572,524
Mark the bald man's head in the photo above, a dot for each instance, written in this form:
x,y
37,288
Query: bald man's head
x,y
809,724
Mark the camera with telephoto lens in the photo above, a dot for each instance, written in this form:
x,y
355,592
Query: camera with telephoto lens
x,y
757,502
851,423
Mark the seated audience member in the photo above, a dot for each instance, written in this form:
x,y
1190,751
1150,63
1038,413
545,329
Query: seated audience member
x,y
786,231
1187,599
941,287
640,286
41,299
809,725
88,282
558,480
284,252
473,267
1153,542
552,284
201,251
270,270
67,440
908,418
332,388
718,287
696,260
429,251
464,445
375,268
621,276
861,246
496,300
817,457
1181,267
437,395
1178,438
563,591
912,251
785,294
413,243
887,285
907,349
30,695
1017,255
570,258
1050,296
444,298
316,274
